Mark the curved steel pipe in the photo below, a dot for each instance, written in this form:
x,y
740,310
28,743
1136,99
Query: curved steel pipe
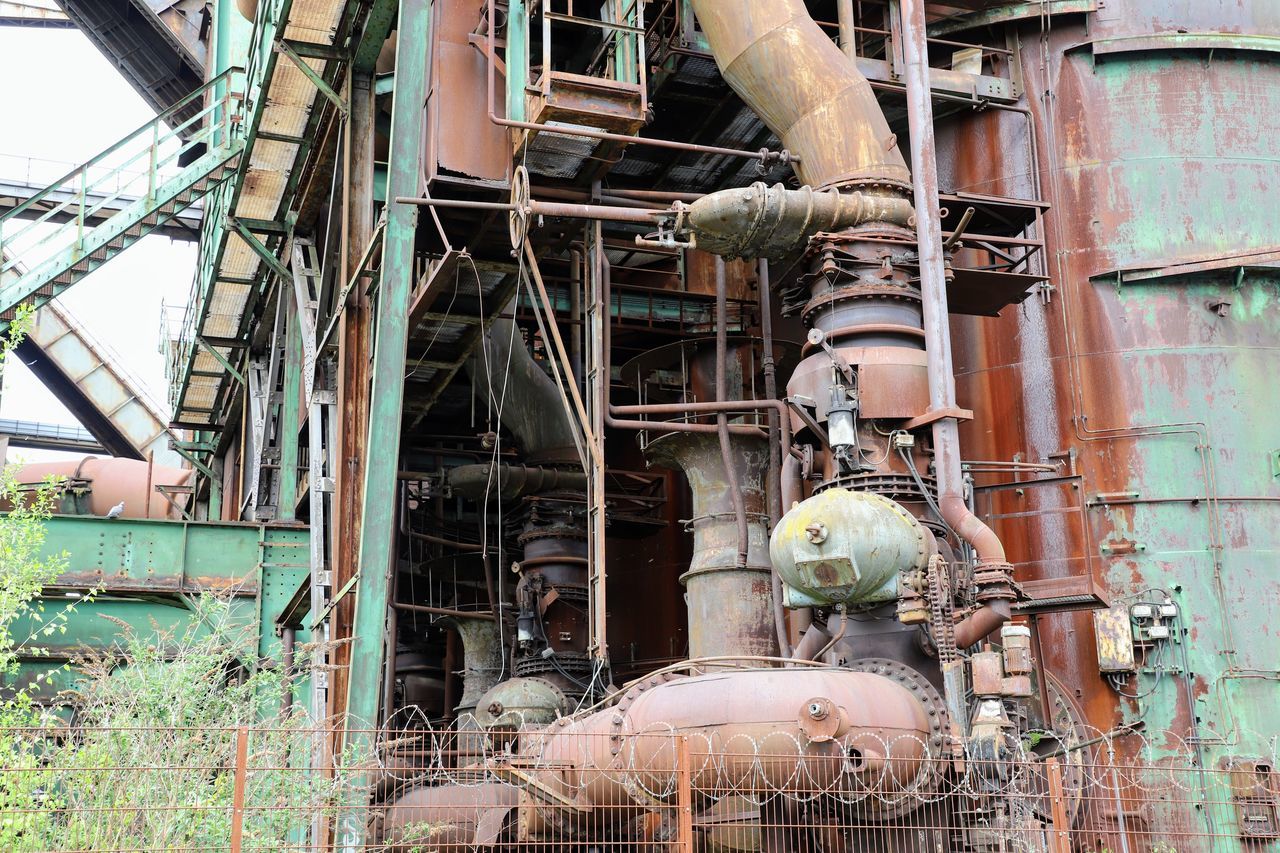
x,y
776,57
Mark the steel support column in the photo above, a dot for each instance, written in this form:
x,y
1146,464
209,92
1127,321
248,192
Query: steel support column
x,y
377,534
353,371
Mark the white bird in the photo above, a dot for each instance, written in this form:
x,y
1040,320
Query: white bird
x,y
116,511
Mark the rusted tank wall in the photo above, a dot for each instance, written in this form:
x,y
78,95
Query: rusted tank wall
x,y
1153,152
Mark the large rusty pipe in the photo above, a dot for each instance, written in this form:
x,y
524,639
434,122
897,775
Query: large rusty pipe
x,y
775,222
777,58
730,599
751,731
529,402
510,480
933,291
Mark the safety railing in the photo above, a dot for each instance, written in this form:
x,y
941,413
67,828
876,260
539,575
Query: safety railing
x,y
568,789
130,172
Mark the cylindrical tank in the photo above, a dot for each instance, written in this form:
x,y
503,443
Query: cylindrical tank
x,y
843,547
102,484
1146,369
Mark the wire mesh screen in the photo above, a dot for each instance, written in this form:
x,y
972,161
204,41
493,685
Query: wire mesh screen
x,y
562,788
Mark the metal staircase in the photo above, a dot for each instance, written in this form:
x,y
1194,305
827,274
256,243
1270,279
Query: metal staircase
x,y
165,166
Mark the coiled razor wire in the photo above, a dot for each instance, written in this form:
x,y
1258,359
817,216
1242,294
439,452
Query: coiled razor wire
x,y
903,772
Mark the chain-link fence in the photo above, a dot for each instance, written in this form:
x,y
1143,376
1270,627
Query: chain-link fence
x,y
567,788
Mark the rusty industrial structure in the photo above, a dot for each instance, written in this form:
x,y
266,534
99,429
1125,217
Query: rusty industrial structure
x,y
854,407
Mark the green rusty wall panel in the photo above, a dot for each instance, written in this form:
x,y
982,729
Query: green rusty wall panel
x,y
149,572
1155,392
168,556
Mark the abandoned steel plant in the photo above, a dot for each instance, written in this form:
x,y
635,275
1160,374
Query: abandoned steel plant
x,y
721,425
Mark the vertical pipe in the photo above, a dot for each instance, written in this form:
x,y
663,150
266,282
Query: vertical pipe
x,y
146,499
288,641
773,479
352,414
933,290
994,590
848,33
722,419
517,58
575,314
377,537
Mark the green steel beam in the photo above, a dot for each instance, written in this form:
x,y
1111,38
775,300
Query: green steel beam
x,y
122,555
149,572
221,359
387,397
517,58
290,422
268,257
378,24
322,86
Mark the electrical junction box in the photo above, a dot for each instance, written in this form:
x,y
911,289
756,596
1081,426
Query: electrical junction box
x,y
1113,632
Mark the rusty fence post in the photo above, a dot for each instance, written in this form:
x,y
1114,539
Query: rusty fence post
x,y
237,795
684,796
1059,829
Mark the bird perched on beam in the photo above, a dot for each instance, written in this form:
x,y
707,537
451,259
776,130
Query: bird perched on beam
x,y
116,511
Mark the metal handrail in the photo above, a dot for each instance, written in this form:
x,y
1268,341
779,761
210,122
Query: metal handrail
x,y
87,195
224,77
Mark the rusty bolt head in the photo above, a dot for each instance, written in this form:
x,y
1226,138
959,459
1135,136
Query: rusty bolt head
x,y
495,708
817,711
817,532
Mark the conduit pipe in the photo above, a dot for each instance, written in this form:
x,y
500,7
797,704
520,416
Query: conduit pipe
x,y
995,588
781,63
611,412
526,400
773,478
509,480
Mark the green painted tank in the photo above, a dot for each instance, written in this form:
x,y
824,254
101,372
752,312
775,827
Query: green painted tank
x,y
843,547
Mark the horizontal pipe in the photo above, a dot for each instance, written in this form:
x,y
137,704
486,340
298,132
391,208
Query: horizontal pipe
x,y
440,540
776,222
784,416
544,208
511,481
444,611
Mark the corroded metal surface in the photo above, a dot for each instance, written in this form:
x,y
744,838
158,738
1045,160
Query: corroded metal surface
x,y
813,96
1150,396
729,606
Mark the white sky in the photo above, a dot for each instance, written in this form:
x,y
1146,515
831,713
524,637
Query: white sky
x,y
61,100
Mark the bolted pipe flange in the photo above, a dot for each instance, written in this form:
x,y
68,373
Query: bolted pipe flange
x,y
822,720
